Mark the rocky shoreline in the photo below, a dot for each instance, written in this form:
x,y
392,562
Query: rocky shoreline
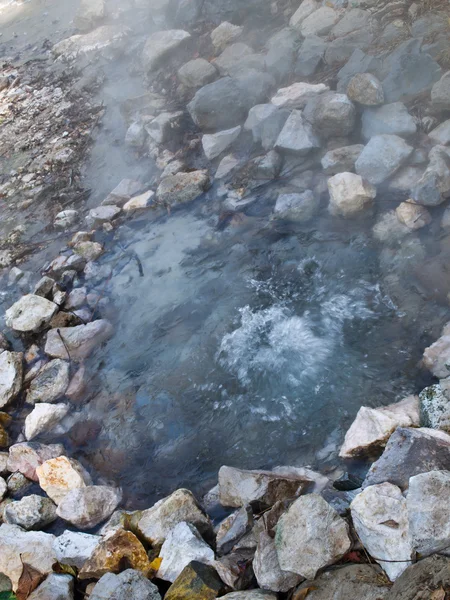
x,y
341,105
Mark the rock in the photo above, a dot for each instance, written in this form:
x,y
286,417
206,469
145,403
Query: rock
x,y
155,524
65,219
353,19
440,93
296,207
422,579
349,194
66,263
393,119
381,158
331,114
267,131
31,547
58,476
135,137
365,89
380,517
115,550
319,22
233,528
18,486
88,506
306,8
428,513
76,298
55,587
341,159
25,457
298,94
365,582
238,487
225,33
434,186
441,133
297,136
11,375
359,62
3,488
106,41
268,166
267,568
235,569
196,582
89,13
435,408
310,56
174,167
257,114
165,127
43,418
403,180
30,314
372,427
129,585
74,549
88,250
197,73
138,202
102,214
79,341
126,189
50,383
182,545
250,595
183,187
437,356
408,453
412,215
216,143
232,58
226,166
161,45
310,522
32,512
281,52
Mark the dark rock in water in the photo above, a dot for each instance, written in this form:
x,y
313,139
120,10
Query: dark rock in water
x,y
421,579
347,482
408,453
196,582
355,581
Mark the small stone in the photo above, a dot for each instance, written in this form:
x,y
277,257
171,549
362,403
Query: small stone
x,y
380,517
11,375
440,93
18,485
58,476
381,158
341,159
88,250
225,33
349,194
298,208
51,382
118,196
391,119
25,457
65,219
89,506
43,418
433,188
266,566
216,143
297,95
76,298
165,126
32,512
55,587
79,342
102,214
310,522
413,215
297,136
115,550
74,549
196,582
319,22
161,45
129,585
30,314
14,276
233,528
183,187
197,73
365,89
155,524
138,202
331,114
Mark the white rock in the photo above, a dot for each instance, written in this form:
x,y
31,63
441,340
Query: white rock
x,y
11,375
226,166
216,143
26,456
30,313
182,545
297,136
102,214
89,13
437,356
197,73
310,535
380,518
372,427
267,569
106,41
80,341
429,512
319,22
65,219
32,512
88,250
55,587
161,45
89,506
304,10
3,488
129,585
43,418
58,476
17,546
74,548
76,299
125,189
142,201
413,215
224,34
298,94
164,126
50,383
257,114
349,194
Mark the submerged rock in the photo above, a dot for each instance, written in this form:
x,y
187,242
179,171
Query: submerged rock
x,y
266,566
372,427
11,375
89,506
43,418
381,158
74,548
380,518
50,383
77,343
349,194
30,314
161,45
58,476
183,187
32,512
309,523
129,585
196,582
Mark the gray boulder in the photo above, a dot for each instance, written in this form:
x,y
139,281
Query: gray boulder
x,y
256,115
183,187
268,166
197,73
75,548
11,375
266,566
269,130
331,114
232,57
233,528
32,512
441,133
128,585
89,506
353,19
319,22
30,314
433,188
366,89
435,408
341,160
342,48
282,48
296,207
410,452
381,158
393,119
310,56
161,45
225,33
55,587
216,143
297,136
50,383
422,579
440,93
78,342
